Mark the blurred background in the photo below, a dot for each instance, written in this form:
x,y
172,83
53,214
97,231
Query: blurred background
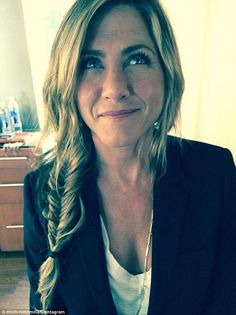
x,y
205,31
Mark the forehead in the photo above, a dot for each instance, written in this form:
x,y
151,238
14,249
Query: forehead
x,y
121,23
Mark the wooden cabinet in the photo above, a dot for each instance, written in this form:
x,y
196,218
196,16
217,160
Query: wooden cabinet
x,y
13,168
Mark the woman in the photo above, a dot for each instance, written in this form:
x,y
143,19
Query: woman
x,y
121,218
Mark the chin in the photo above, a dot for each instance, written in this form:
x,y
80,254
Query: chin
x,y
114,140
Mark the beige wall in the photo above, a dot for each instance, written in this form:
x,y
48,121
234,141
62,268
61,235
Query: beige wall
x,y
15,72
205,30
42,19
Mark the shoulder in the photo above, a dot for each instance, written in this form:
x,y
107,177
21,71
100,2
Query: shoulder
x,y
35,185
200,164
38,173
206,174
196,154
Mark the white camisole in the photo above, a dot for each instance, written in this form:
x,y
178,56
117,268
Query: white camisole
x,y
125,287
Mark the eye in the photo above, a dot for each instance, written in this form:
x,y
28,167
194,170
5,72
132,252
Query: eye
x,y
91,63
140,58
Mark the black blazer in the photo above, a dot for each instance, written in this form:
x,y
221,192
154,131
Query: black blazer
x,y
194,240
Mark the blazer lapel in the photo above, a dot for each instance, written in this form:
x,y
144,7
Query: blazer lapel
x,y
169,206
93,254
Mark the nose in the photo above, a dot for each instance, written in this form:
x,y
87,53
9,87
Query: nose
x,y
115,85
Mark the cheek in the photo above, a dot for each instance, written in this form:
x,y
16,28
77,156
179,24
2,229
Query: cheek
x,y
86,95
83,93
150,88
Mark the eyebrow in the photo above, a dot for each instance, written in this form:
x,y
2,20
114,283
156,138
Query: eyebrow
x,y
131,49
126,51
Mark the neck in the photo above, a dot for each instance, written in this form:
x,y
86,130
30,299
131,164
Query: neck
x,y
122,164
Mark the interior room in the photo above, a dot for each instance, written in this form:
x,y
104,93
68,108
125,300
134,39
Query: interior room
x,y
205,32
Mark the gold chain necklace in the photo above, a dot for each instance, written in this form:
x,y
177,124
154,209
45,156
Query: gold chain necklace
x,y
146,263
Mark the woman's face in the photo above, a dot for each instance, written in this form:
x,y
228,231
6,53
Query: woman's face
x,y
121,88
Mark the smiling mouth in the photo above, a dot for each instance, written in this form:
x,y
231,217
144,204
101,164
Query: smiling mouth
x,y
119,114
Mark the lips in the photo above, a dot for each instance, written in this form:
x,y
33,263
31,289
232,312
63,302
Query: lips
x,y
116,114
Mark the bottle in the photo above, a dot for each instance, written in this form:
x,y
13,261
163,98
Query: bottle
x,y
6,125
14,114
0,121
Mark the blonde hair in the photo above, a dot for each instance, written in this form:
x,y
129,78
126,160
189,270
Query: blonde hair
x,y
73,155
